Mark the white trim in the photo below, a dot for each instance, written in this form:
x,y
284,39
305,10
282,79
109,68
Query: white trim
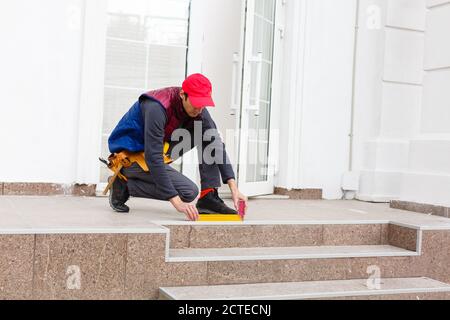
x,y
146,42
319,252
296,52
196,36
92,92
126,230
266,187
419,241
333,289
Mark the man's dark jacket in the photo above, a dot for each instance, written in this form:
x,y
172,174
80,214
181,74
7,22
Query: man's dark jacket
x,y
150,123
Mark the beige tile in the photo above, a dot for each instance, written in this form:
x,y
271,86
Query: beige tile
x,y
255,236
288,235
435,260
40,189
421,208
179,236
221,236
316,270
47,189
145,262
84,190
384,234
238,272
16,266
389,267
278,271
184,274
402,237
60,259
180,274
368,234
300,194
441,211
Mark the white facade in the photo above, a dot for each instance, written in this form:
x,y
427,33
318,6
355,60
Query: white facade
x,y
402,141
317,95
390,91
40,65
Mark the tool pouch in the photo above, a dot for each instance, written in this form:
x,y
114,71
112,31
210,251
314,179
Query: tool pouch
x,y
118,161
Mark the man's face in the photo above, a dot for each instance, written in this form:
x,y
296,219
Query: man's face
x,y
192,111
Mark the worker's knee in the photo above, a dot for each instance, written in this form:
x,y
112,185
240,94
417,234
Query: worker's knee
x,y
189,194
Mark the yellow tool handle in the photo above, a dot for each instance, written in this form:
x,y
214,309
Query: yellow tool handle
x,y
220,218
111,181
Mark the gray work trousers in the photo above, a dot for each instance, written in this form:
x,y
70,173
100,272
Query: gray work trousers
x,y
143,184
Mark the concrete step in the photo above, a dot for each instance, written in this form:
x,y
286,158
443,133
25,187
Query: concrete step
x,y
231,235
397,288
286,253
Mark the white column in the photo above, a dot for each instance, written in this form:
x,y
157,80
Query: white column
x,y
92,91
387,112
427,178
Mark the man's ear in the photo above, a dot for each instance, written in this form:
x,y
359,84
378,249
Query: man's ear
x,y
182,94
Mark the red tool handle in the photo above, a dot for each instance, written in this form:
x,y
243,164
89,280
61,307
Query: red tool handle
x,y
242,209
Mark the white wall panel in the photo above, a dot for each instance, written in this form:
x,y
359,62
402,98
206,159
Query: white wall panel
x,y
400,110
436,104
404,56
408,14
40,63
437,45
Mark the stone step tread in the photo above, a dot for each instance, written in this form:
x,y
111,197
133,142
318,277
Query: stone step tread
x,y
305,290
286,253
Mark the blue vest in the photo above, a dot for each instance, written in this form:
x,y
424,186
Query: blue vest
x,y
129,133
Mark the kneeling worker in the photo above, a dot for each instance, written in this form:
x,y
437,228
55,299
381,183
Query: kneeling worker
x,y
143,143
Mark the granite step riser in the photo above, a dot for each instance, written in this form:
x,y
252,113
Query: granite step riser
x,y
133,266
243,272
432,262
249,236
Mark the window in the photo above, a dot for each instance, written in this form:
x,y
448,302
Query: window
x,y
146,49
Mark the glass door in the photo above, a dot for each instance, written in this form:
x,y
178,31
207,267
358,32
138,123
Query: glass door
x,y
255,173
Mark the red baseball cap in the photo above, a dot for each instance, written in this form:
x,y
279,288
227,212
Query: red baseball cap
x,y
199,90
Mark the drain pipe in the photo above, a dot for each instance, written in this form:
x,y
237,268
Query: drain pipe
x,y
350,180
355,52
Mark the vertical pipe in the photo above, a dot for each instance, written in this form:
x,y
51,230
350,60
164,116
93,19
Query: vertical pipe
x,y
355,52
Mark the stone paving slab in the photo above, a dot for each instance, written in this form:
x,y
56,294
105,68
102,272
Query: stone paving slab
x,y
77,214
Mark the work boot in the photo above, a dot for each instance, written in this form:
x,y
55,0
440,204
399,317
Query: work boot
x,y
212,204
118,196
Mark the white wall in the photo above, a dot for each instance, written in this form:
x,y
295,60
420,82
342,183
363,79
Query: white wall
x,y
388,94
402,134
427,178
316,111
401,144
40,63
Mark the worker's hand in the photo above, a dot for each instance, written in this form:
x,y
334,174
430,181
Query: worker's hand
x,y
188,209
236,195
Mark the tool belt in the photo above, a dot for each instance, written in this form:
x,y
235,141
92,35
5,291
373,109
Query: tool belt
x,y
116,162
